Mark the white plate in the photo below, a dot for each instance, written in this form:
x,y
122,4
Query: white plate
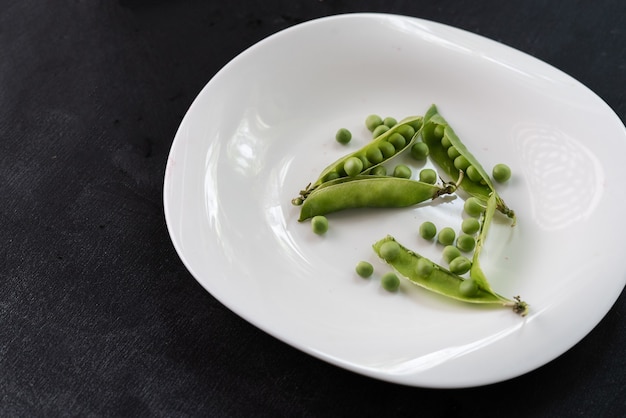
x,y
264,127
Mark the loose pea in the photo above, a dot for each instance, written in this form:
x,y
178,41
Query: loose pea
x,y
468,287
390,281
353,166
446,236
374,154
450,252
379,130
453,152
397,140
428,230
438,131
390,250
424,267
470,226
402,171
319,224
461,163
465,242
372,122
420,151
428,175
387,149
473,174
364,269
379,170
460,265
501,173
343,136
407,131
390,122
473,207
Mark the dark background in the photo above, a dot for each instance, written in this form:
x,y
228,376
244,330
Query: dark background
x,y
98,316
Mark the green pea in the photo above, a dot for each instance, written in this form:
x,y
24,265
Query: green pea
x,y
465,242
428,230
390,122
374,154
390,282
387,149
319,224
390,250
402,171
460,265
428,175
445,141
461,163
473,174
365,161
419,151
473,207
450,252
343,136
379,170
407,131
501,173
397,140
372,122
453,152
438,131
468,287
379,130
353,166
331,176
470,226
424,267
364,269
446,236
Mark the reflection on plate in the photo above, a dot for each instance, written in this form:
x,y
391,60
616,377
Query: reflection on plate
x,y
264,127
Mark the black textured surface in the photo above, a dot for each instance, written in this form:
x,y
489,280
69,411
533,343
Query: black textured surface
x,y
98,316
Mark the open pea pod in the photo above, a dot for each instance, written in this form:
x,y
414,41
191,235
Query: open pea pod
x,y
380,150
368,191
440,137
440,280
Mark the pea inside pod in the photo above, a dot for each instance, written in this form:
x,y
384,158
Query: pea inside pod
x,y
451,155
383,148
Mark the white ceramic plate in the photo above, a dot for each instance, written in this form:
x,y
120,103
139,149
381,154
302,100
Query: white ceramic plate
x,y
264,127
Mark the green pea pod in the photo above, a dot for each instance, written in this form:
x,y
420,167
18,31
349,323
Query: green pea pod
x,y
369,191
439,136
375,153
440,280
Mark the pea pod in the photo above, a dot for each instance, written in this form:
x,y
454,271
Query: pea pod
x,y
447,150
440,280
382,149
368,191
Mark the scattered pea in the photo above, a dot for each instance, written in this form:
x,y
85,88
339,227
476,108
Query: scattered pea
x,y
390,122
402,171
465,242
387,149
379,170
397,140
470,226
390,250
461,163
453,152
473,207
468,287
501,173
428,175
343,136
364,269
460,265
379,130
450,252
446,236
390,281
420,151
424,267
319,224
372,122
428,230
473,174
353,166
